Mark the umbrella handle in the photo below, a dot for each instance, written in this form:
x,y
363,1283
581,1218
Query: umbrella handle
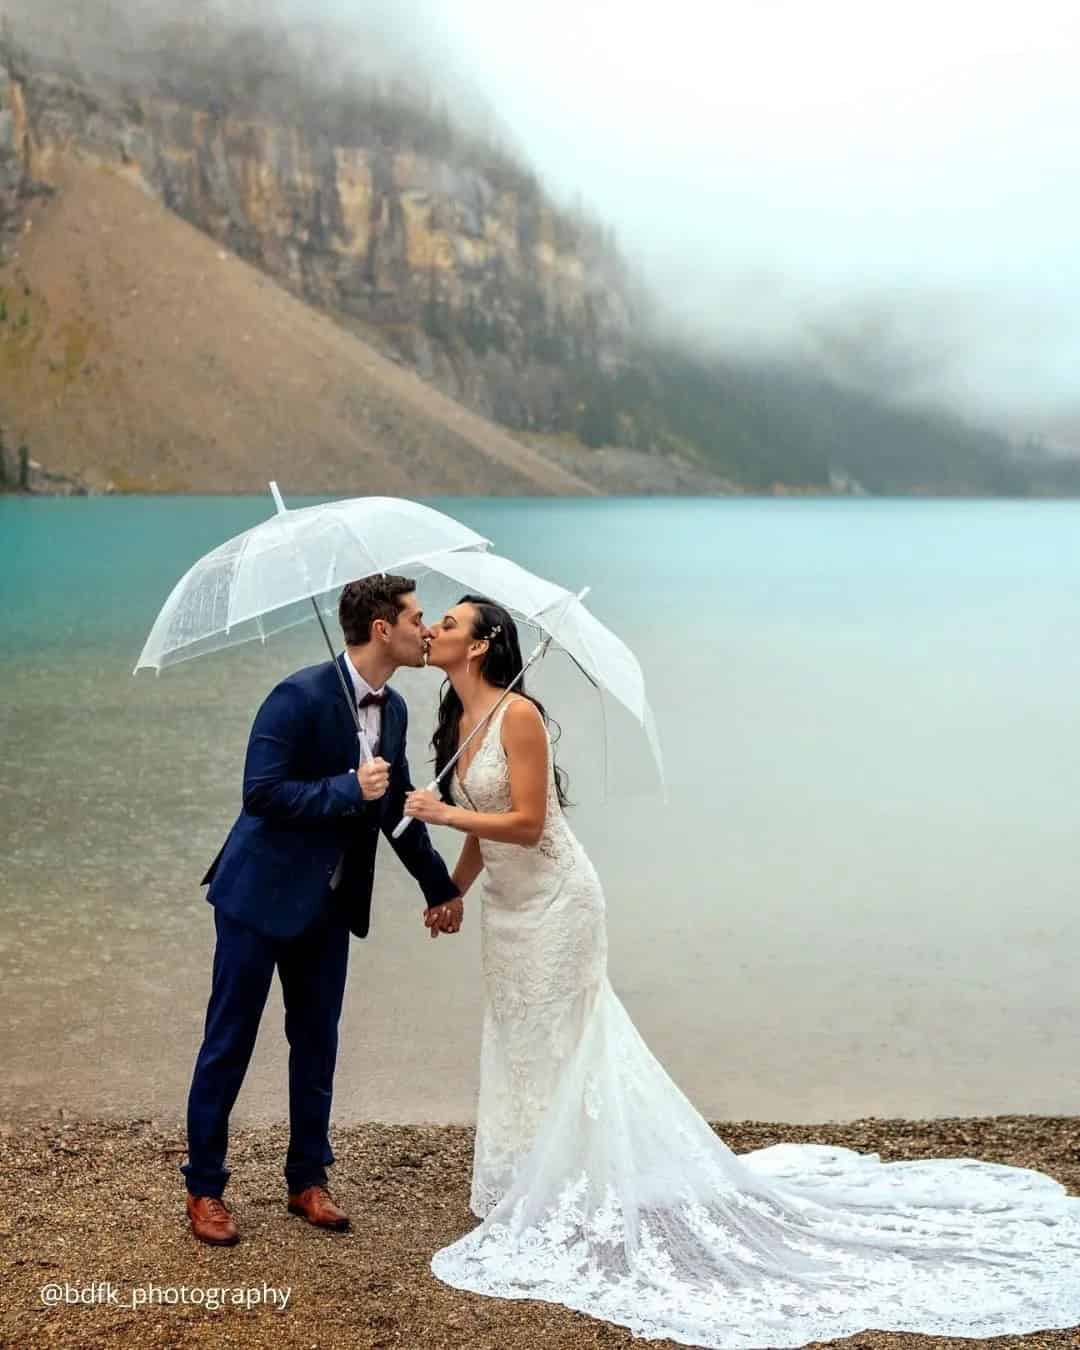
x,y
405,821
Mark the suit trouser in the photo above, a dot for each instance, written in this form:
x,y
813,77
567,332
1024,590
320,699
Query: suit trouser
x,y
312,969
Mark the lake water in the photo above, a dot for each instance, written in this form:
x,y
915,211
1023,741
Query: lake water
x,y
862,896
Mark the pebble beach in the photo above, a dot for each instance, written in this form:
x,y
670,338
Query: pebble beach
x,y
94,1208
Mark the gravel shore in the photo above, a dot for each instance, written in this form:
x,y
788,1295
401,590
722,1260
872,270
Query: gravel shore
x,y
100,1203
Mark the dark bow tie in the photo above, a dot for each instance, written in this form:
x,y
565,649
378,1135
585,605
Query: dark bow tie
x,y
369,700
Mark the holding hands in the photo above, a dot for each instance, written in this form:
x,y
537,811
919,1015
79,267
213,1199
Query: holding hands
x,y
446,918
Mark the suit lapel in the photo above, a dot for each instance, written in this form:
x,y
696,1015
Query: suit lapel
x,y
390,732
389,740
344,708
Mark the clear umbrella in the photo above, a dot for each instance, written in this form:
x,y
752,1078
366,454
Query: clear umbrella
x,y
271,577
265,579
601,656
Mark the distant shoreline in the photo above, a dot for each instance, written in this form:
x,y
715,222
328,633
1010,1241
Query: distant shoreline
x,y
780,492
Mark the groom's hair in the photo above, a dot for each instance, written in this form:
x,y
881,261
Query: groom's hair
x,y
362,602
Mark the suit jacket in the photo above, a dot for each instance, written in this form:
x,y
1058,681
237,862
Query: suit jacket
x,y
304,812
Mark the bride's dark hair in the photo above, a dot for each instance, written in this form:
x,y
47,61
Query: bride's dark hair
x,y
498,665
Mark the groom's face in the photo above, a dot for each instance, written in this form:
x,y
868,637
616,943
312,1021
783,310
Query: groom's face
x,y
406,639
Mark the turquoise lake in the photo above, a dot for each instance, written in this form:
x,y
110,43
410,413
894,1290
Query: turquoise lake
x,y
859,898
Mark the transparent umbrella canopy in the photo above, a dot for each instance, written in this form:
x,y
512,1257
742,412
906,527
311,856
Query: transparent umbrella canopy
x,y
271,577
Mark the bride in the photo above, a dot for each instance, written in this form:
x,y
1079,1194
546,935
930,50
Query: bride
x,y
599,1185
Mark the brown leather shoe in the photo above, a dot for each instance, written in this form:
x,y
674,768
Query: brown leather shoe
x,y
315,1205
211,1221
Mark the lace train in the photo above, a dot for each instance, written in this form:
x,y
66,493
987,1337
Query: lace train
x,y
629,1208
601,1188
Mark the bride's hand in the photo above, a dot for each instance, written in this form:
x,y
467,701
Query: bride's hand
x,y
424,805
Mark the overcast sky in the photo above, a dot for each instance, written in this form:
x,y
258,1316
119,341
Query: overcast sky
x,y
895,184
893,188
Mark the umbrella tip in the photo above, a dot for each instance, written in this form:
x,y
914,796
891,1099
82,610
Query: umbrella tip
x,y
278,500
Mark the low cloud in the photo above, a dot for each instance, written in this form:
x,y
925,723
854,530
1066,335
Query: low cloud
x,y
890,195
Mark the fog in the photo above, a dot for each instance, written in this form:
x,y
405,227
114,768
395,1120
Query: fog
x,y
889,192
891,189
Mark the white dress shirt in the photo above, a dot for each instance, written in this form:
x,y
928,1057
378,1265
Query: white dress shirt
x,y
371,724
371,716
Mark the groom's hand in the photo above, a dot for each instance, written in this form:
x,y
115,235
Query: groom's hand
x,y
374,778
446,918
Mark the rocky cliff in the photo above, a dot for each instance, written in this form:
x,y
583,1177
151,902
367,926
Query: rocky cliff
x,y
17,185
472,276
426,244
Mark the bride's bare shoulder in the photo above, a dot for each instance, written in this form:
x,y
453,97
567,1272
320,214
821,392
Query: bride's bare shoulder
x,y
521,716
518,706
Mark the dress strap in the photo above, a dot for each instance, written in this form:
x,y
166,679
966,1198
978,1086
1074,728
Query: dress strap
x,y
489,735
496,721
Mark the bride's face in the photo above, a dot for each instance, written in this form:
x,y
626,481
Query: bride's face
x,y
452,640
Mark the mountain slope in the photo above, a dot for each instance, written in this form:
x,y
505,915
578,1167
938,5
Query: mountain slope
x,y
165,364
134,349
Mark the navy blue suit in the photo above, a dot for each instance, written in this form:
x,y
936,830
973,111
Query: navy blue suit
x,y
303,813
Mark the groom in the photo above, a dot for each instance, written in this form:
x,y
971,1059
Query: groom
x,y
293,878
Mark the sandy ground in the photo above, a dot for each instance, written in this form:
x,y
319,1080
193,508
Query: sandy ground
x,y
84,1202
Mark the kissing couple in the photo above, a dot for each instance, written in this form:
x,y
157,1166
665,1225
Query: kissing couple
x,y
597,1183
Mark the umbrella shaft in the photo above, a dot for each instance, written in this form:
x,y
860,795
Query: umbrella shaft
x,y
349,699
540,650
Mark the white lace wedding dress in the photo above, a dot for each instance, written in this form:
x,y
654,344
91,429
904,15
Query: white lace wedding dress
x,y
601,1188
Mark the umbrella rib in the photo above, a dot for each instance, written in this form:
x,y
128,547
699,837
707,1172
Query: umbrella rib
x,y
237,560
639,716
355,535
559,600
586,648
595,683
342,528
